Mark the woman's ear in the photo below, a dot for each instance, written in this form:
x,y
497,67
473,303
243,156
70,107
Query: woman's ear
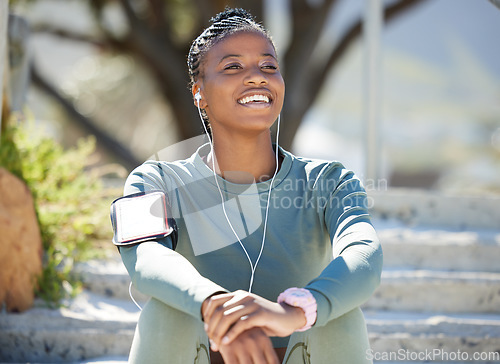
x,y
197,96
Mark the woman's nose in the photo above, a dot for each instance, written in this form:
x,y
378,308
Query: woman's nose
x,y
256,76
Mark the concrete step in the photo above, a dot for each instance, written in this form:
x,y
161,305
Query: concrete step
x,y
107,360
108,278
437,291
400,289
439,248
433,208
93,326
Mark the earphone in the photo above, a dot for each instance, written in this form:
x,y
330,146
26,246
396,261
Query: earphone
x,y
253,267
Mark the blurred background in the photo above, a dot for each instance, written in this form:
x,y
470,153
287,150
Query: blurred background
x,y
118,68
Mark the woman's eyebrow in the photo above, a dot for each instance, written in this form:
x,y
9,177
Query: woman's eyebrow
x,y
239,56
269,55
229,56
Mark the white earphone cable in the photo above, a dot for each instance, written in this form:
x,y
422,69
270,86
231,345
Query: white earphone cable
x,y
252,266
132,297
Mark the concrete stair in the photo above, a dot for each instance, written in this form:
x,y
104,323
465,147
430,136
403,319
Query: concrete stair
x,y
439,301
91,326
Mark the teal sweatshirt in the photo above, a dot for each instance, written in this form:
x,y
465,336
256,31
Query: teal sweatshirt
x,y
319,235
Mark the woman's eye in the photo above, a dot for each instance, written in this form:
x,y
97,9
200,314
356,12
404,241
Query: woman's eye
x,y
232,67
269,67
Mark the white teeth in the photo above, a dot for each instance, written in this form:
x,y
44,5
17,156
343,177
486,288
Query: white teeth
x,y
254,98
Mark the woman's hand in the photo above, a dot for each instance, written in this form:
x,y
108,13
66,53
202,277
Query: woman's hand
x,y
250,347
229,315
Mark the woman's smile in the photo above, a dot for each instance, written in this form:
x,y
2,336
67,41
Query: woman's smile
x,y
258,99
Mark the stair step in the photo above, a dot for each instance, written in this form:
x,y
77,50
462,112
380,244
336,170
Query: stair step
x,y
108,278
441,291
94,326
91,326
433,248
400,289
107,360
433,208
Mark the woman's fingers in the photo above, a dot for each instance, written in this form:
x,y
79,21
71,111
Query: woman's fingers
x,y
223,321
230,315
243,324
213,303
226,299
252,346
223,311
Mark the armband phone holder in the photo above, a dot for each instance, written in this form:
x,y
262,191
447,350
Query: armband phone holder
x,y
140,217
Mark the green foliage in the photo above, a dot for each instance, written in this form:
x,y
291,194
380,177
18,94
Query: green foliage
x,y
9,153
70,203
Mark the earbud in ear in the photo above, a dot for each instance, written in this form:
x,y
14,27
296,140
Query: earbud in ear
x,y
197,96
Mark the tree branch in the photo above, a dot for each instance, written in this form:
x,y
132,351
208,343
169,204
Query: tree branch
x,y
256,8
496,3
130,14
208,9
157,11
105,140
308,25
68,34
352,33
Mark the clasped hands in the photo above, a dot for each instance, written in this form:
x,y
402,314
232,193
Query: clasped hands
x,y
239,324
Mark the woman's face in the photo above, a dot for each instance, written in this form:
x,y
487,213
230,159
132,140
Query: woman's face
x,y
241,85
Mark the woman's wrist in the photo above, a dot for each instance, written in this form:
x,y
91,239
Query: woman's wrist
x,y
295,315
303,299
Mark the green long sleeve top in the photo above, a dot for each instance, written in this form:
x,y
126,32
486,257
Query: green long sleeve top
x,y
319,235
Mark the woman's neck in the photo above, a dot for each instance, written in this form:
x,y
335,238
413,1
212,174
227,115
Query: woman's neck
x,y
244,159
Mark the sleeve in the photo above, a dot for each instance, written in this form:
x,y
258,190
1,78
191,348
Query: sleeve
x,y
155,269
354,273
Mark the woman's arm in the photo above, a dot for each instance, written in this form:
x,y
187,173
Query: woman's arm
x,y
348,280
354,273
158,271
154,267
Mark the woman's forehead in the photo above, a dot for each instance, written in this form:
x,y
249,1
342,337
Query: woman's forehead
x,y
240,44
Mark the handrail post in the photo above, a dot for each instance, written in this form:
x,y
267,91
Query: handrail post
x,y
372,29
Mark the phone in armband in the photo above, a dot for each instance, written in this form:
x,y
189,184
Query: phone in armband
x,y
140,217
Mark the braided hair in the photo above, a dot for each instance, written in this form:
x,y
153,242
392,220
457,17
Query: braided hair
x,y
226,23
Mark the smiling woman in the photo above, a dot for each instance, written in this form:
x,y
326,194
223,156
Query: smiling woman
x,y
239,271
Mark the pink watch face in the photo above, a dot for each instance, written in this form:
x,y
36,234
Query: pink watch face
x,y
297,297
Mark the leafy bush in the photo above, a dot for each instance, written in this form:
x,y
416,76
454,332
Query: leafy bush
x,y
71,204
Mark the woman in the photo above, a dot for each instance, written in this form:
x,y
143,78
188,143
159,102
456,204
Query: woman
x,y
275,253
